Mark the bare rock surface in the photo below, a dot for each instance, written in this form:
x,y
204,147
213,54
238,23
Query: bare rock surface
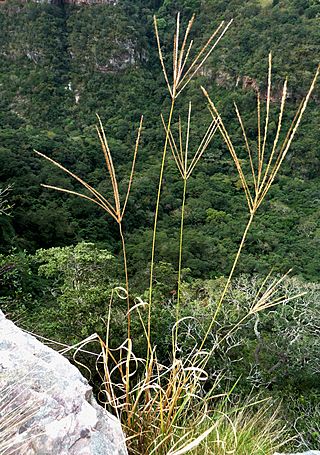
x,y
46,405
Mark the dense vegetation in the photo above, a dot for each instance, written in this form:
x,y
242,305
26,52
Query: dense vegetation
x,y
62,65
60,256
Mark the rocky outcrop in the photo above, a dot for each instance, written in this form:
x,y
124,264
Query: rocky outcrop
x,y
46,406
248,83
122,58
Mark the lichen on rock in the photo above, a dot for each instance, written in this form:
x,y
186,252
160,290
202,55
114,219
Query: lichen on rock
x,y
46,405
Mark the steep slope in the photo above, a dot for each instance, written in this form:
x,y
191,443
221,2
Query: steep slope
x,y
61,64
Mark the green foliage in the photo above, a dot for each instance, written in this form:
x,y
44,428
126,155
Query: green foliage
x,y
61,293
64,64
81,284
301,407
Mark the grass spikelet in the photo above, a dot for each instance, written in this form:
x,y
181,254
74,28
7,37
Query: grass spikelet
x,y
268,296
182,72
264,166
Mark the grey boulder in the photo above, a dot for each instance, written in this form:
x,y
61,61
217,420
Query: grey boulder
x,y
46,405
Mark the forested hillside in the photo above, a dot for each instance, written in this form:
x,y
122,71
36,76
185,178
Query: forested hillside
x,y
60,65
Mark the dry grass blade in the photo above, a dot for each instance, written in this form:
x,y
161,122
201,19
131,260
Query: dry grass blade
x,y
268,110
109,162
101,199
289,138
248,147
202,57
75,193
203,146
161,55
184,58
180,154
267,296
259,130
216,116
132,167
181,75
176,48
174,149
194,442
153,409
275,143
187,137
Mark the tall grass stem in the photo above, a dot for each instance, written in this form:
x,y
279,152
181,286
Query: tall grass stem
x,y
155,225
180,258
226,287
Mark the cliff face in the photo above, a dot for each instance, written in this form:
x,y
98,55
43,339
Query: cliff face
x,y
62,52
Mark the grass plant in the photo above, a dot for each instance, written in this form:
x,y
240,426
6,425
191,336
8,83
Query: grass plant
x,y
114,208
157,403
182,73
180,152
265,161
244,431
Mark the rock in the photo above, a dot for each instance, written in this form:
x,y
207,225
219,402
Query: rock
x,y
250,83
124,57
46,406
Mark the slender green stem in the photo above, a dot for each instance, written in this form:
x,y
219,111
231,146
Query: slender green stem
x,y
125,266
244,236
127,375
164,154
180,257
